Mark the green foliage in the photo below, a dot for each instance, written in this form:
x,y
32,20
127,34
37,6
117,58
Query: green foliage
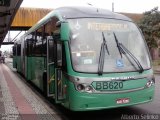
x,y
150,26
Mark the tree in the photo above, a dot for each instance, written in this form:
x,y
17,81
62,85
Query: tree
x,y
150,26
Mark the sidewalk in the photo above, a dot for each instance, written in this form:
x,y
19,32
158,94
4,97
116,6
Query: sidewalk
x,y
18,101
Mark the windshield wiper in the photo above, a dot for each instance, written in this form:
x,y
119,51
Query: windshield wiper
x,y
118,45
102,55
123,50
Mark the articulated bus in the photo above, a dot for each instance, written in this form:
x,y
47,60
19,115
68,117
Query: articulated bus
x,y
86,58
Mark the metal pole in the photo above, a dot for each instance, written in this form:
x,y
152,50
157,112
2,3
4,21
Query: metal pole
x,y
14,39
9,36
112,6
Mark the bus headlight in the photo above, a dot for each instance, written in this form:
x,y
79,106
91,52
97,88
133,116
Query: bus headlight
x,y
80,87
89,89
84,88
150,82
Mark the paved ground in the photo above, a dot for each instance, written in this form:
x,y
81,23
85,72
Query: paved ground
x,y
18,101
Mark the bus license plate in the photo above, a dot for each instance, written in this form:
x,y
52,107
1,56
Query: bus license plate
x,y
122,100
109,85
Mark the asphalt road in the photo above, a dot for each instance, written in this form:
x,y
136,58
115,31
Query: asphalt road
x,y
149,111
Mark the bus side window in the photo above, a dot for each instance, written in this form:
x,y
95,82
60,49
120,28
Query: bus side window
x,y
14,50
19,50
52,34
29,41
51,50
29,47
59,55
49,27
38,42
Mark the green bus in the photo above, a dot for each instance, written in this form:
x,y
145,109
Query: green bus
x,y
86,58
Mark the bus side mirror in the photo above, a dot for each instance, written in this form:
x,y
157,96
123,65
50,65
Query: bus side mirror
x,y
64,31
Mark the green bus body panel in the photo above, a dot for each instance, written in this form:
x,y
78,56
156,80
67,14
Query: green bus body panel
x,y
90,101
14,61
28,68
17,63
65,31
35,69
19,66
34,72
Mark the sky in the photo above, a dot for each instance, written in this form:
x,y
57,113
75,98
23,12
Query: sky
x,y
129,6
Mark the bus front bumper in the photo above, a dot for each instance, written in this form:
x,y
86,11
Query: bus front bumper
x,y
79,101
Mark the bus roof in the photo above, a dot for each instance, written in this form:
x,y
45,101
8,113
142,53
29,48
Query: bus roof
x,y
89,12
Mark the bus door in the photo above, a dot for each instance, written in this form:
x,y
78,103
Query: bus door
x,y
50,68
54,72
58,73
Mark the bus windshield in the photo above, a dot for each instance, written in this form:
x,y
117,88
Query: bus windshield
x,y
86,41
